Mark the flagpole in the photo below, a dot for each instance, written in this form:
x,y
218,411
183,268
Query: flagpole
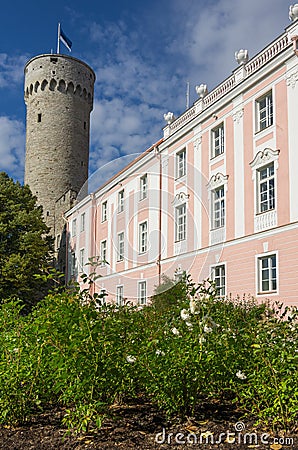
x,y
58,40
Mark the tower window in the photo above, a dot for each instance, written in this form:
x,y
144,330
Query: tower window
x,y
53,60
39,117
85,125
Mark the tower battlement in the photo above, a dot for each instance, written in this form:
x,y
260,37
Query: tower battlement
x,y
59,72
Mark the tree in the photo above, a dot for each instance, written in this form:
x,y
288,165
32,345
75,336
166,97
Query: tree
x,y
25,244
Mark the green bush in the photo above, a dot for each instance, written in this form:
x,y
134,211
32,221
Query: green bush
x,y
188,346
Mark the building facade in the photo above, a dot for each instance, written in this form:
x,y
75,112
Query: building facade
x,y
215,196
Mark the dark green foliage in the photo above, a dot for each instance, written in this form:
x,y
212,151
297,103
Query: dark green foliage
x,y
169,294
24,243
79,352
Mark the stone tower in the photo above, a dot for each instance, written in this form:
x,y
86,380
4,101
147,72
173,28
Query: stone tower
x,y
59,100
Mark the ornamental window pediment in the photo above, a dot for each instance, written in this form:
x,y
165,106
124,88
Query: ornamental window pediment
x,y
217,180
264,157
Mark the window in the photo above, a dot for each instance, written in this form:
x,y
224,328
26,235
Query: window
x,y
74,227
143,187
267,274
39,117
218,207
264,111
104,211
121,201
119,296
181,163
120,247
142,292
180,218
82,257
82,222
143,237
217,136
218,274
73,263
266,188
103,253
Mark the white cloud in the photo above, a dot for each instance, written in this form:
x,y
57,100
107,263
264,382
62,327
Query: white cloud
x,y
12,147
131,95
11,69
118,129
214,31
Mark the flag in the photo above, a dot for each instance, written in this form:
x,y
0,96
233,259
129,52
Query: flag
x,y
63,38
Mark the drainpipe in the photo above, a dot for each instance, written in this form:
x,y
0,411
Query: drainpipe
x,y
93,239
66,250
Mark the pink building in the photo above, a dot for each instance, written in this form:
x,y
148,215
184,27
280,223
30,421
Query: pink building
x,y
217,195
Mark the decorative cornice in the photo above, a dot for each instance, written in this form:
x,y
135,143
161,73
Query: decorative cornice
x,y
180,197
292,79
247,69
217,180
241,56
237,116
197,143
263,157
293,12
169,117
202,90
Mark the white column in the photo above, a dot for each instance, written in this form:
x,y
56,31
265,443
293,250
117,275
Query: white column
x,y
239,167
292,86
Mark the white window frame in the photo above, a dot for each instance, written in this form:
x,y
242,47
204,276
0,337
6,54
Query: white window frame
x,y
82,257
218,208
74,228
83,222
119,295
220,278
264,111
121,201
272,270
73,264
143,237
103,252
104,211
143,186
217,180
120,246
181,163
142,292
217,140
264,158
180,222
267,192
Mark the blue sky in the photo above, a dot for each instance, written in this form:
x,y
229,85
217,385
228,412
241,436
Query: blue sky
x,y
143,53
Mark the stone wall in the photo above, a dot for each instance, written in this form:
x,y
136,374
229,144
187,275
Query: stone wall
x,y
59,100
